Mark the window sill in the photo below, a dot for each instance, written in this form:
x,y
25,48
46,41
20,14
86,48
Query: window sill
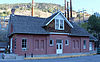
x,y
59,29
51,45
84,48
24,49
66,44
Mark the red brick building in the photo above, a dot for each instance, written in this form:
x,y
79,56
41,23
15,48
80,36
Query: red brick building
x,y
52,35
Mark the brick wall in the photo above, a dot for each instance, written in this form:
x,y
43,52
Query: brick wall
x,y
39,44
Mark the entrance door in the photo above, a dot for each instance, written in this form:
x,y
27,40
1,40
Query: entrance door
x,y
90,46
59,47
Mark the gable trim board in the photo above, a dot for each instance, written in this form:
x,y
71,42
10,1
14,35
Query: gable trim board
x,y
58,33
64,18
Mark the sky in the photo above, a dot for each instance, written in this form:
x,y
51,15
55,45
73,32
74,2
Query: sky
x,y
90,6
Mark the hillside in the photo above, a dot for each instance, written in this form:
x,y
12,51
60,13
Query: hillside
x,y
40,9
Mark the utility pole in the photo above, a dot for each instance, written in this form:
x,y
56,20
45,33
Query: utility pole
x,y
70,8
65,8
32,7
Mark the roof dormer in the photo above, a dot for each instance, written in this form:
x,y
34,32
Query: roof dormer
x,y
57,22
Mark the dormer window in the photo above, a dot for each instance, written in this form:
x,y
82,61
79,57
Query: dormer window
x,y
59,24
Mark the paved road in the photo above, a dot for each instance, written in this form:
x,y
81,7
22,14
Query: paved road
x,y
95,58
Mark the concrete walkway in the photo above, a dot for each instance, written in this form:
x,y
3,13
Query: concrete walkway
x,y
52,56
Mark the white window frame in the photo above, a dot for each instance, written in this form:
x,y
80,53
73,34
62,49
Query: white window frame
x,y
26,44
2,49
67,42
84,45
90,46
59,24
52,42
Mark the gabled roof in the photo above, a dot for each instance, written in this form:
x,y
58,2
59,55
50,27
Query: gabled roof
x,y
34,25
78,31
92,38
49,19
28,24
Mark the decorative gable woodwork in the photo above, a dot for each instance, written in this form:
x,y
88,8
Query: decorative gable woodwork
x,y
51,27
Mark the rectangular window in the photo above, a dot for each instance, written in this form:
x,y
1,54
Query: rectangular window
x,y
42,44
37,44
66,42
59,24
51,42
77,44
74,43
24,44
56,23
15,43
84,44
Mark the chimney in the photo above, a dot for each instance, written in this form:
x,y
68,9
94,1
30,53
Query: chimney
x,y
32,7
12,11
67,10
70,8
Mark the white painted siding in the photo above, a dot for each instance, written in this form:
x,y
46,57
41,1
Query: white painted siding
x,y
59,16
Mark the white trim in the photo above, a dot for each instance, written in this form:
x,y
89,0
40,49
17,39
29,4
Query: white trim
x,y
24,42
90,46
52,42
55,23
84,45
61,46
58,33
67,20
2,49
51,19
11,45
64,18
59,20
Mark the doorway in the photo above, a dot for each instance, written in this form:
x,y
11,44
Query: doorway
x,y
59,46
